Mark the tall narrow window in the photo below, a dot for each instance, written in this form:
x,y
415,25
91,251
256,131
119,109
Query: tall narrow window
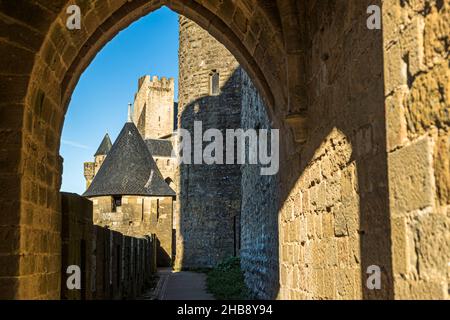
x,y
116,203
157,210
142,217
214,79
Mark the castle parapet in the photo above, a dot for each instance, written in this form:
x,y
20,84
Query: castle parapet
x,y
162,84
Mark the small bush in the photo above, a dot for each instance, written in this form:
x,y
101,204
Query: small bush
x,y
226,281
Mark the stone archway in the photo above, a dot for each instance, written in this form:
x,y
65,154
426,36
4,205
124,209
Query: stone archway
x,y
370,87
43,62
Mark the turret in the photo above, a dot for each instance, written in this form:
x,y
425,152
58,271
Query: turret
x,y
129,168
91,168
102,151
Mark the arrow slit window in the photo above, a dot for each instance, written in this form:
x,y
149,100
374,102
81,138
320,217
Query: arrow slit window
x,y
116,203
214,83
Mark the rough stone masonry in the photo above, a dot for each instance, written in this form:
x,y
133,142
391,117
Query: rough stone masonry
x,y
366,183
225,210
209,195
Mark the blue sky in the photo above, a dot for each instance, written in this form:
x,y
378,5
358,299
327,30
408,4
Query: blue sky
x,y
99,102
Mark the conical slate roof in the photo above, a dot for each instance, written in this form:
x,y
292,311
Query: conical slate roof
x,y
129,169
104,147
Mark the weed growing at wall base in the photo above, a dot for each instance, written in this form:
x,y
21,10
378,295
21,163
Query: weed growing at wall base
x,y
226,281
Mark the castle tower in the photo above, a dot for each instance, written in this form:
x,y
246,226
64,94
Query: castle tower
x,y
154,107
102,151
129,194
91,168
209,195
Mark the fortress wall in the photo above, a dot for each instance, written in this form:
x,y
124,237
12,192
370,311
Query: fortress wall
x,y
209,195
139,217
259,208
369,186
160,108
334,220
417,91
112,265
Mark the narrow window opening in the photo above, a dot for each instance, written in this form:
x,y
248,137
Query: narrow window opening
x,y
214,87
116,203
157,210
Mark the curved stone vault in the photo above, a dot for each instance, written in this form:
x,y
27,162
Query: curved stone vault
x,y
351,104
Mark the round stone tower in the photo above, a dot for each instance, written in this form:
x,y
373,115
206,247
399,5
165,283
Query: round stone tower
x,y
210,195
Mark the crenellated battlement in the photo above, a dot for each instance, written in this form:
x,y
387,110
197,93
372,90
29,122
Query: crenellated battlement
x,y
154,82
162,83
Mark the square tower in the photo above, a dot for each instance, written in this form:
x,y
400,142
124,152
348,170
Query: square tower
x,y
154,107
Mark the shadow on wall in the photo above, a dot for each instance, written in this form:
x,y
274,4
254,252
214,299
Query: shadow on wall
x,y
259,207
211,227
313,230
210,194
328,208
163,258
112,266
334,191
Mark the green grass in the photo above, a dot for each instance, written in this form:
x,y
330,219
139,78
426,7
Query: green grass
x,y
226,281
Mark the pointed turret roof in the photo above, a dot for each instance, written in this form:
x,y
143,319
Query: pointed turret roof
x,y
129,169
104,147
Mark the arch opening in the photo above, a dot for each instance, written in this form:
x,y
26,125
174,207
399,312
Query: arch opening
x,y
336,206
81,62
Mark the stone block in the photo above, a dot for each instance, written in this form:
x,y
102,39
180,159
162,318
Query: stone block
x,y
395,119
340,222
329,283
395,68
345,284
413,42
442,168
399,245
433,245
412,188
327,225
343,252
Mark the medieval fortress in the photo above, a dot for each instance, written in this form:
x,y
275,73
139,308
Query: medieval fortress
x,y
363,186
201,225
206,213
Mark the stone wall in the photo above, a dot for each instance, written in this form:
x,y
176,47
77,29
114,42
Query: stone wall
x,y
139,217
91,169
42,62
113,266
140,104
417,98
209,195
167,167
77,245
162,226
259,208
334,219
